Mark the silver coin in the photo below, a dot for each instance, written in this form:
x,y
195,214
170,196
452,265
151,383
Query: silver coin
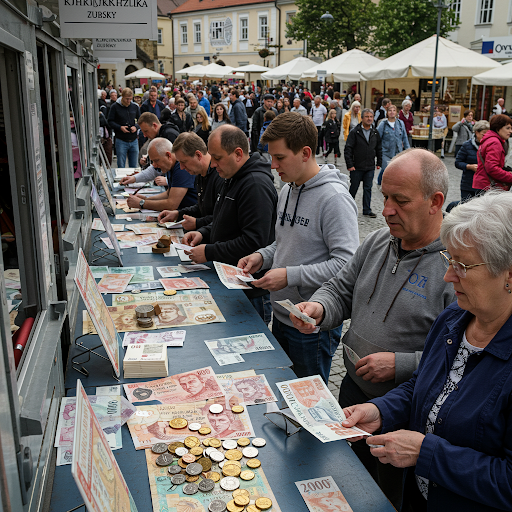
x,y
194,469
173,470
216,408
159,448
206,485
178,479
180,451
230,483
217,506
229,444
221,464
250,452
209,450
164,460
259,442
194,427
190,488
217,456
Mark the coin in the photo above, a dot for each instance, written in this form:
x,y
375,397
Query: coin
x,y
237,409
209,450
178,479
241,492
231,470
164,460
144,311
196,450
216,408
135,291
159,448
243,441
230,483
170,292
182,463
259,442
247,475
263,503
206,485
215,442
233,507
190,488
204,431
252,508
178,423
188,458
180,451
205,463
253,463
233,454
172,447
191,441
231,463
192,478
213,475
194,469
216,456
250,452
173,470
216,506
194,427
229,444
206,442
242,500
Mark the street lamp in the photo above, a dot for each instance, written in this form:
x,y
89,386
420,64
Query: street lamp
x,y
328,18
441,4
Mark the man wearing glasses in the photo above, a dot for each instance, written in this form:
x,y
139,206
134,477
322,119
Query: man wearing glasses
x,y
392,290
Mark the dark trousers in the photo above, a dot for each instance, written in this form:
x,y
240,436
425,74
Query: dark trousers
x,y
320,143
367,178
387,476
333,146
107,146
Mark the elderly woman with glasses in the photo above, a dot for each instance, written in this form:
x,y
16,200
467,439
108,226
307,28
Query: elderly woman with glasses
x,y
450,425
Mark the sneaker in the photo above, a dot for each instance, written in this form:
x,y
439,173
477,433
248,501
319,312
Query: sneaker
x,y
325,159
371,215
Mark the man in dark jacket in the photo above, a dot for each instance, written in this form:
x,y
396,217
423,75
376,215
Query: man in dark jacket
x,y
244,216
151,127
152,104
192,155
257,120
362,147
237,114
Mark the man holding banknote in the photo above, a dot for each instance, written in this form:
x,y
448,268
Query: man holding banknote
x,y
316,234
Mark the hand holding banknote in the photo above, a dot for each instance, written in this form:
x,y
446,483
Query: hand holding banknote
x,y
314,310
273,280
364,416
252,263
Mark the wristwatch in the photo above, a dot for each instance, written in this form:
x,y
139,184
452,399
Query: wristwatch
x,y
141,203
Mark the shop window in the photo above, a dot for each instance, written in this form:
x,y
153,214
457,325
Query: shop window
x,y
485,11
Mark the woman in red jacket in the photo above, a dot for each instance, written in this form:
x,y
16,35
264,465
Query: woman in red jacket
x,y
491,156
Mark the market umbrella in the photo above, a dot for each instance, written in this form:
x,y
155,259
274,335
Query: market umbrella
x,y
251,68
344,67
214,70
291,70
496,76
453,60
191,70
144,73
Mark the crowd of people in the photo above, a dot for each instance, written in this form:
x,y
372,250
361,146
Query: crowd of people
x,y
429,297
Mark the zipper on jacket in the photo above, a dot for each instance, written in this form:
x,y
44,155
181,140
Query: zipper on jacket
x,y
396,265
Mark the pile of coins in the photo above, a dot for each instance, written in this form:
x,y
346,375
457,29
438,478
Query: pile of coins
x,y
201,465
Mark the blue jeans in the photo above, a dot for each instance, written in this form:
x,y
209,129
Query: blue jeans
x,y
367,178
385,162
311,354
124,149
263,307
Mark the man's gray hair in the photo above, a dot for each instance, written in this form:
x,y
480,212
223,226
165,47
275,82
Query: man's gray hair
x,y
319,97
405,102
161,145
481,125
366,111
483,223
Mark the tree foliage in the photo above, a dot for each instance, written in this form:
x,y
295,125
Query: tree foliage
x,y
349,29
399,24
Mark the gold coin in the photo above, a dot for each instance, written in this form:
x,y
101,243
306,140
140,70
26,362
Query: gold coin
x,y
252,508
191,441
233,507
204,431
214,442
188,458
263,503
182,463
253,463
233,463
205,463
244,441
170,292
233,454
196,450
206,442
172,447
213,475
192,478
231,470
247,475
178,423
241,500
237,409
241,492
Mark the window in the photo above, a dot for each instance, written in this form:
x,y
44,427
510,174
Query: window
x,y
217,31
197,32
263,27
244,29
184,34
161,66
290,15
160,38
455,7
485,11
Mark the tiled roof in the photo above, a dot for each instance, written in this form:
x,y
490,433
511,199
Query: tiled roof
x,y
166,6
203,5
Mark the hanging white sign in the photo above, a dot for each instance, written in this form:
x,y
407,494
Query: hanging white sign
x,y
117,48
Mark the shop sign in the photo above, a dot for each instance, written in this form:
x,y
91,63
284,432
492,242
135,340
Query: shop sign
x,y
117,48
497,47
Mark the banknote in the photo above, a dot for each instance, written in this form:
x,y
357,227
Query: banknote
x,y
316,409
147,285
352,356
142,225
294,310
97,225
183,257
247,390
149,297
114,283
189,283
109,390
323,495
168,271
98,272
150,424
169,338
176,501
171,225
145,231
142,240
223,349
228,276
64,455
142,274
126,216
187,387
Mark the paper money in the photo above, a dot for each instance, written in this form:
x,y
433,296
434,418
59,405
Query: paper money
x,y
142,274
187,387
145,231
189,283
228,275
168,271
294,310
247,390
98,272
97,225
145,249
183,257
150,297
171,225
182,247
143,240
149,285
64,455
246,279
316,409
323,495
353,357
114,283
168,338
114,390
226,350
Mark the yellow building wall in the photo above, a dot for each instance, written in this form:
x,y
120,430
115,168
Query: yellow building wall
x,y
164,49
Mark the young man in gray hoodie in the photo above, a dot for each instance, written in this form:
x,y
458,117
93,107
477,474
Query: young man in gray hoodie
x,y
316,234
392,290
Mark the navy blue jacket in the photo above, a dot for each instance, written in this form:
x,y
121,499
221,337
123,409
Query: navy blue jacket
x,y
468,458
157,109
466,155
238,115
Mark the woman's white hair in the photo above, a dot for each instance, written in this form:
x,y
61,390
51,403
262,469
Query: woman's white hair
x,y
406,101
484,223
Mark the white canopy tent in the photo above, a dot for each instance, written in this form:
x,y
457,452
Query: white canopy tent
x,y
191,70
248,69
291,70
215,71
344,67
144,73
496,76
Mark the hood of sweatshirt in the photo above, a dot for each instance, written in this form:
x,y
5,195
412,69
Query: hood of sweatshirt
x,y
254,164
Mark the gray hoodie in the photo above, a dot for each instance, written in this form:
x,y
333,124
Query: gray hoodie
x,y
322,239
392,303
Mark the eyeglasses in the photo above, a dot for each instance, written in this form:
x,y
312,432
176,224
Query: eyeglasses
x,y
459,268
283,422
